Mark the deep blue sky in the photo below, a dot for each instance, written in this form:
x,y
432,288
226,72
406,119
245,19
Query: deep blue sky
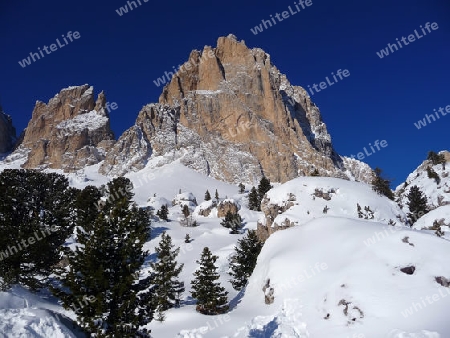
x,y
122,55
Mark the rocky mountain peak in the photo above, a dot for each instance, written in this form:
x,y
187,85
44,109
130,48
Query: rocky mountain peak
x,y
229,113
7,132
69,132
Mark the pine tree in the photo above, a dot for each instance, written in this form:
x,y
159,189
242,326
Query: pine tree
x,y
232,221
185,211
263,187
243,261
417,203
381,185
211,296
253,201
241,188
37,215
207,196
187,221
166,274
434,175
436,158
178,288
216,196
105,268
163,213
187,239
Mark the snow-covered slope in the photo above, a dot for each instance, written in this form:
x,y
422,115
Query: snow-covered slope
x,y
23,314
438,192
309,197
336,277
327,259
437,218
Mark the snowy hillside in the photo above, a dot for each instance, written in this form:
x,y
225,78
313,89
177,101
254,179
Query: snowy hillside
x,y
437,190
333,275
336,277
314,197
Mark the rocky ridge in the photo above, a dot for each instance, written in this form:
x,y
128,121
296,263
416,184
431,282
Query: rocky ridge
x,y
227,113
231,114
70,132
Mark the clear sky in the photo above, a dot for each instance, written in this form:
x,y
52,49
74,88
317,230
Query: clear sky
x,y
381,99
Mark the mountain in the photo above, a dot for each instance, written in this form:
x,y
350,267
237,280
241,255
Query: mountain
x,y
338,259
7,133
231,114
70,132
227,113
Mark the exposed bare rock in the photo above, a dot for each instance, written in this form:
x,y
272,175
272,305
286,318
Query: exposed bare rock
x,y
271,211
7,133
70,132
226,206
186,198
229,113
443,281
205,208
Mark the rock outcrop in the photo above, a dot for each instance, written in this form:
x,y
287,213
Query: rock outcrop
x,y
7,133
70,132
228,205
229,113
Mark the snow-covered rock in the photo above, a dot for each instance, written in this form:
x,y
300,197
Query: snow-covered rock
x,y
306,198
437,192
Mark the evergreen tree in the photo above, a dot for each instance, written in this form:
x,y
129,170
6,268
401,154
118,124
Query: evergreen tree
x,y
243,261
211,296
263,187
187,239
207,196
37,215
232,221
185,211
253,201
417,203
163,213
434,175
216,196
241,188
381,185
105,268
166,274
178,288
436,158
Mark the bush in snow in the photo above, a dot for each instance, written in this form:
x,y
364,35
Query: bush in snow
x,y
432,174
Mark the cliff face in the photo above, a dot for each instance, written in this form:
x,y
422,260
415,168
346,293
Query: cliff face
x,y
229,113
70,132
7,133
